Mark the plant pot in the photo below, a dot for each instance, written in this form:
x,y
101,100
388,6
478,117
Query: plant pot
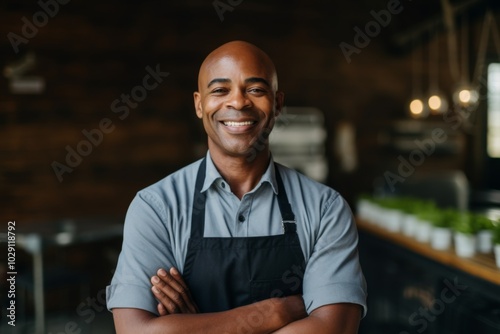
x,y
393,220
365,209
465,244
497,254
409,225
485,241
423,231
377,214
441,238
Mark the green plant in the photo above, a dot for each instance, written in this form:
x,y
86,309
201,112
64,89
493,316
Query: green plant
x,y
465,223
427,211
445,218
496,233
483,223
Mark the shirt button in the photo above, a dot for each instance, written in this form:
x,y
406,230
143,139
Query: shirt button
x,y
241,218
223,185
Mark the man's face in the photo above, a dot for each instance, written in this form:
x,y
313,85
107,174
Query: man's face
x,y
238,103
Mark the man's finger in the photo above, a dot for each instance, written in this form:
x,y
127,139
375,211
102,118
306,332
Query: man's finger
x,y
161,309
178,277
172,295
170,306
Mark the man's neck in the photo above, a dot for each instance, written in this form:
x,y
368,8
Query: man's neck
x,y
241,174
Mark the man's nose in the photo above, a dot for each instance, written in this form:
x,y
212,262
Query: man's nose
x,y
238,100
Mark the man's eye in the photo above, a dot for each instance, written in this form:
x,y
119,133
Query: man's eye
x,y
219,91
257,90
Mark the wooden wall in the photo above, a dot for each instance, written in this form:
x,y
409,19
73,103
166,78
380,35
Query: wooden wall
x,y
90,53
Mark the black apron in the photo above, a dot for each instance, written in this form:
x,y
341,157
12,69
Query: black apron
x,y
224,273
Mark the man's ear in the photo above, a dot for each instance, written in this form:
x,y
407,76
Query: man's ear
x,y
197,105
279,103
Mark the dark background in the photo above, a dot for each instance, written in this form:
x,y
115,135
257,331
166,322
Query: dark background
x,y
90,53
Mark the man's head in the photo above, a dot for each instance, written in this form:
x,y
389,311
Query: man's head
x,y
237,99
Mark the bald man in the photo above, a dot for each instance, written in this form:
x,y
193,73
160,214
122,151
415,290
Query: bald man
x,y
247,245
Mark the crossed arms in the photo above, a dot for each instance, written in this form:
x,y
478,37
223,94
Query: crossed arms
x,y
179,314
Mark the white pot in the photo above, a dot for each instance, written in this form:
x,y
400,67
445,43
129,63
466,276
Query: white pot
x,y
393,220
441,238
497,254
377,214
485,241
465,244
409,225
423,231
365,210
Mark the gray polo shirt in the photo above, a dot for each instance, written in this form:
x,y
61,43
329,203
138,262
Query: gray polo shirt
x,y
158,224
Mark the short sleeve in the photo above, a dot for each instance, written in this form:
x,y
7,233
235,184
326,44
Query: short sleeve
x,y
145,249
333,273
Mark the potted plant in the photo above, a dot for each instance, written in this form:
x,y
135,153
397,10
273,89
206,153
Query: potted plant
x,y
484,234
365,207
410,207
465,235
393,214
441,234
424,226
496,242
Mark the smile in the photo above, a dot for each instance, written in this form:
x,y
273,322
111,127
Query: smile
x,y
235,124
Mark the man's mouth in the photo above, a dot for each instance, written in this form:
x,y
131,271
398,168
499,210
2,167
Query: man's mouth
x,y
236,124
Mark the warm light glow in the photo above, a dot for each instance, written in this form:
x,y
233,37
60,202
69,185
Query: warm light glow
x,y
464,96
435,102
416,107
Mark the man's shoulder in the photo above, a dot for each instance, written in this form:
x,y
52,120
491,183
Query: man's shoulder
x,y
295,179
182,180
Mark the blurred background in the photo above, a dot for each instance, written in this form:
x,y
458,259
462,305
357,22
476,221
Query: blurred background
x,y
96,104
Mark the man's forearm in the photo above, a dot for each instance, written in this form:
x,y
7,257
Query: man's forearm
x,y
262,317
340,318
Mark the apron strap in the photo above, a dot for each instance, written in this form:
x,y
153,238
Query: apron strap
x,y
199,199
288,218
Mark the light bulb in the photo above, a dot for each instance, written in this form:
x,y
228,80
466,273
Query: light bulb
x,y
437,103
417,108
466,96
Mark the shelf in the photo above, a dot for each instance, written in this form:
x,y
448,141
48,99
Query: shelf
x,y
481,265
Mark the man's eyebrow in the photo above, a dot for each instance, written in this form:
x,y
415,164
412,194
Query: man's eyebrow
x,y
247,81
257,79
218,80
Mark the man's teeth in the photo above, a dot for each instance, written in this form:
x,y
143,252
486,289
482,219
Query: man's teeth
x,y
238,123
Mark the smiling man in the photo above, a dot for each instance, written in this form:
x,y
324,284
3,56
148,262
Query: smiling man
x,y
248,245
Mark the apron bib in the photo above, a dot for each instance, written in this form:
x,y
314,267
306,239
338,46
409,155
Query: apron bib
x,y
224,273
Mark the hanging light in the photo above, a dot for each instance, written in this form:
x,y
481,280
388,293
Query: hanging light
x,y
437,102
417,107
465,94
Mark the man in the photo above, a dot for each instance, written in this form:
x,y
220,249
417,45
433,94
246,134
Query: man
x,y
249,245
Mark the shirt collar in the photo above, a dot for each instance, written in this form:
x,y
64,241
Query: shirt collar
x,y
212,175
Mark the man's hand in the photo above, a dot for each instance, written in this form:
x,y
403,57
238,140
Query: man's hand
x,y
172,293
